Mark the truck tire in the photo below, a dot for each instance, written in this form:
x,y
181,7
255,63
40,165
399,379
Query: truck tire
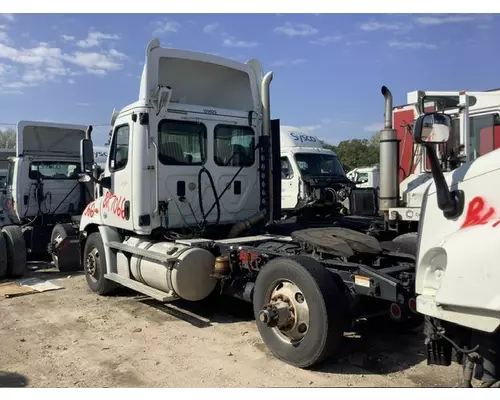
x,y
407,243
68,258
3,258
306,285
16,251
94,262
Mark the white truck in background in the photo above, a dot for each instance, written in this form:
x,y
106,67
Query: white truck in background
x,y
457,273
365,177
307,166
42,190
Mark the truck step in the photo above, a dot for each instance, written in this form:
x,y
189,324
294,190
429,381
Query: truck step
x,y
162,258
141,288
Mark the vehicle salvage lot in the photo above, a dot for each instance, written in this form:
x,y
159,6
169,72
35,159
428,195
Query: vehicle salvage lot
x,y
74,338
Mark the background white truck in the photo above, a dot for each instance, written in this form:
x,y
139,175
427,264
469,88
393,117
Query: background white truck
x,y
42,192
475,132
306,167
458,278
365,177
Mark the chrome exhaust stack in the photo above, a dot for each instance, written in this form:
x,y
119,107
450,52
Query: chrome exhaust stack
x,y
389,159
266,126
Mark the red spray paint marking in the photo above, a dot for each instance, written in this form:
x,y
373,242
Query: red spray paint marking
x,y
114,204
478,213
91,210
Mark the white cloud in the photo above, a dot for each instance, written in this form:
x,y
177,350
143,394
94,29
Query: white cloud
x,y
375,127
4,38
376,26
326,121
18,92
115,53
71,81
8,17
325,40
232,42
278,63
281,63
165,26
439,20
67,38
45,63
15,85
310,128
210,28
95,63
355,42
292,30
95,38
412,45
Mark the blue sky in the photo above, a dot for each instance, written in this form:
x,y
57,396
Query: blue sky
x,y
328,67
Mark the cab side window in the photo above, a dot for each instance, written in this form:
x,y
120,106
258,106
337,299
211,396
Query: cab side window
x,y
286,168
119,149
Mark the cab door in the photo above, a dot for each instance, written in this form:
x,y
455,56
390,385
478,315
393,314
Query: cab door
x,y
116,203
289,184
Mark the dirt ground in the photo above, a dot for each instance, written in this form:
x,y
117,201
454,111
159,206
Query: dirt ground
x,y
74,338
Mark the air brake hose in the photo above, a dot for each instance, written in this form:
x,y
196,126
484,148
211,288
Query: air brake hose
x,y
62,201
200,198
232,179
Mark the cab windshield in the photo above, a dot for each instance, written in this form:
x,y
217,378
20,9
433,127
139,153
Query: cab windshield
x,y
317,164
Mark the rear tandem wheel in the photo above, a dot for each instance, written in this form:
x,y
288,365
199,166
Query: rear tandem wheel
x,y
300,310
16,251
67,257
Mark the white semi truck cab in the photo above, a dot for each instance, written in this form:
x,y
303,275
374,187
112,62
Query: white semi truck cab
x,y
188,207
311,176
42,190
458,278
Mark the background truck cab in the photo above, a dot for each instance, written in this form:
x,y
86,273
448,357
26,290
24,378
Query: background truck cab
x,y
308,171
365,177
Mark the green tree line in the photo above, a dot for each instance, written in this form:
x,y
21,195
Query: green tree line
x,y
356,153
7,138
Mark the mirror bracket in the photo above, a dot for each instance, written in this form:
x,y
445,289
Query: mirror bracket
x,y
451,203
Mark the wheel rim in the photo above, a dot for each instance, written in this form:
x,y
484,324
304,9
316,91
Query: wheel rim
x,y
57,240
286,312
92,264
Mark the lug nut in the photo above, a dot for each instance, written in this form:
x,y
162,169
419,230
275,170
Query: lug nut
x,y
264,317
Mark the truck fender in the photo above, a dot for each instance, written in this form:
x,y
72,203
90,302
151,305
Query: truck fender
x,y
109,234
91,215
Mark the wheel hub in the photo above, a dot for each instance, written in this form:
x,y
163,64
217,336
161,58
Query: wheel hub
x,y
91,262
287,312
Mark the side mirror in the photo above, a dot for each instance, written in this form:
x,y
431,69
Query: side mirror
x,y
83,178
432,128
87,155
